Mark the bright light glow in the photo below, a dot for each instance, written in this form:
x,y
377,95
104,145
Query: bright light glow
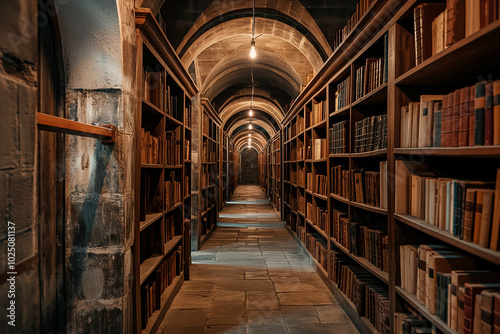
x,y
250,112
250,126
249,135
253,54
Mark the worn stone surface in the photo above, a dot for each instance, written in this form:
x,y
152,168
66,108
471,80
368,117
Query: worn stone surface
x,y
227,293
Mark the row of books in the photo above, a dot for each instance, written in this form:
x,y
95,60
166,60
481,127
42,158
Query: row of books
x,y
469,210
464,117
298,152
187,186
440,25
187,116
173,147
318,216
170,228
154,88
153,288
173,191
320,149
187,149
209,154
370,134
343,94
369,296
296,127
318,112
339,138
370,242
360,185
317,184
316,248
208,176
152,148
406,323
361,8
207,122
370,76
448,284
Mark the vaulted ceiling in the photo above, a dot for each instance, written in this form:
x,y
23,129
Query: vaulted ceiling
x,y
212,39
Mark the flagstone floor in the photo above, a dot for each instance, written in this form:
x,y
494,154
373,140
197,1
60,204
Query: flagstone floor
x,y
252,277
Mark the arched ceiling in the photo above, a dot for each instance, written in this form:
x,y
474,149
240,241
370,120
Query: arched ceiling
x,y
212,39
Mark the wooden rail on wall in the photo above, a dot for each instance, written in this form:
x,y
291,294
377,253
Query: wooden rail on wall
x,y
106,133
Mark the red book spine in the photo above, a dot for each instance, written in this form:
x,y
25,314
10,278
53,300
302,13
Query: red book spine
x,y
455,118
472,115
468,309
488,115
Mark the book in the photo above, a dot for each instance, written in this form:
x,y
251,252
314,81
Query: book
x,y
496,111
426,119
479,106
472,17
484,321
471,290
488,114
487,210
496,314
495,224
424,14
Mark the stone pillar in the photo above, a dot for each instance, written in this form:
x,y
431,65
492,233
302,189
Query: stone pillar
x,y
18,100
196,165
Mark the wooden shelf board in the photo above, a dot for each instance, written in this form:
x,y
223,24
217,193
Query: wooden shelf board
x,y
419,224
151,109
374,270
371,154
470,55
376,97
166,300
149,265
177,205
172,243
339,198
187,127
413,301
207,235
208,187
173,120
340,155
472,151
368,207
321,124
316,227
152,166
342,111
150,219
173,166
187,196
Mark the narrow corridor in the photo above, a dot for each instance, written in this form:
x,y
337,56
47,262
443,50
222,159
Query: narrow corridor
x,y
252,277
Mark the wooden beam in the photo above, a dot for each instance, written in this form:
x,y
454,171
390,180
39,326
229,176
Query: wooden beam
x,y
106,133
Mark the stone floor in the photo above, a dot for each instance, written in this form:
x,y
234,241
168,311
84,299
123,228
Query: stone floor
x,y
251,277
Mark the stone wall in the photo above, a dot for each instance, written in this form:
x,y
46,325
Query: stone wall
x,y
18,101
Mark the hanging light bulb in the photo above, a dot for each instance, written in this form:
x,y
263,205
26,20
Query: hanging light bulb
x,y
249,135
250,112
250,126
253,54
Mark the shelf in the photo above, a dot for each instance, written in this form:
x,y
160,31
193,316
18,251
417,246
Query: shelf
x,y
187,161
413,301
419,224
208,187
468,57
321,124
187,196
462,152
319,160
166,300
149,265
340,155
173,166
341,112
206,211
340,198
151,109
374,270
173,207
172,120
209,163
368,207
317,229
377,153
187,128
150,219
325,198
378,96
152,166
207,137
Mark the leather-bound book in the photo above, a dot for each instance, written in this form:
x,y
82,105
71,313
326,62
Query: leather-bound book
x,y
460,310
485,230
488,115
422,265
455,118
496,314
495,224
455,27
479,106
471,290
485,323
470,207
463,124
496,112
424,14
478,216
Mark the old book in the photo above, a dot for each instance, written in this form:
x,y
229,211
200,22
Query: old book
x,y
443,280
470,203
463,126
455,27
406,128
455,119
476,315
495,224
478,216
484,232
458,279
460,309
496,111
401,187
426,119
446,119
472,17
488,114
485,321
496,314
438,117
444,263
414,109
442,191
479,106
471,290
424,14
472,116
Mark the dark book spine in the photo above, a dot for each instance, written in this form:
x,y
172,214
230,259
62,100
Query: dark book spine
x,y
488,115
479,106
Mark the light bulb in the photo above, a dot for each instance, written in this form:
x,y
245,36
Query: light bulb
x,y
253,54
250,112
249,135
250,126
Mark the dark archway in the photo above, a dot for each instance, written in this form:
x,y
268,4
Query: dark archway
x,y
249,166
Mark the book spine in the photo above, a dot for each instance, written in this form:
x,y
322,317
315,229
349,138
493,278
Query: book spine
x,y
479,107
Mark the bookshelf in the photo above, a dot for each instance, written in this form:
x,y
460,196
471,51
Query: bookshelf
x,y
359,103
233,167
162,180
224,167
270,163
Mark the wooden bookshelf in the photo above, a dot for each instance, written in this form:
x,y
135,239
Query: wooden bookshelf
x,y
162,172
270,159
384,34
